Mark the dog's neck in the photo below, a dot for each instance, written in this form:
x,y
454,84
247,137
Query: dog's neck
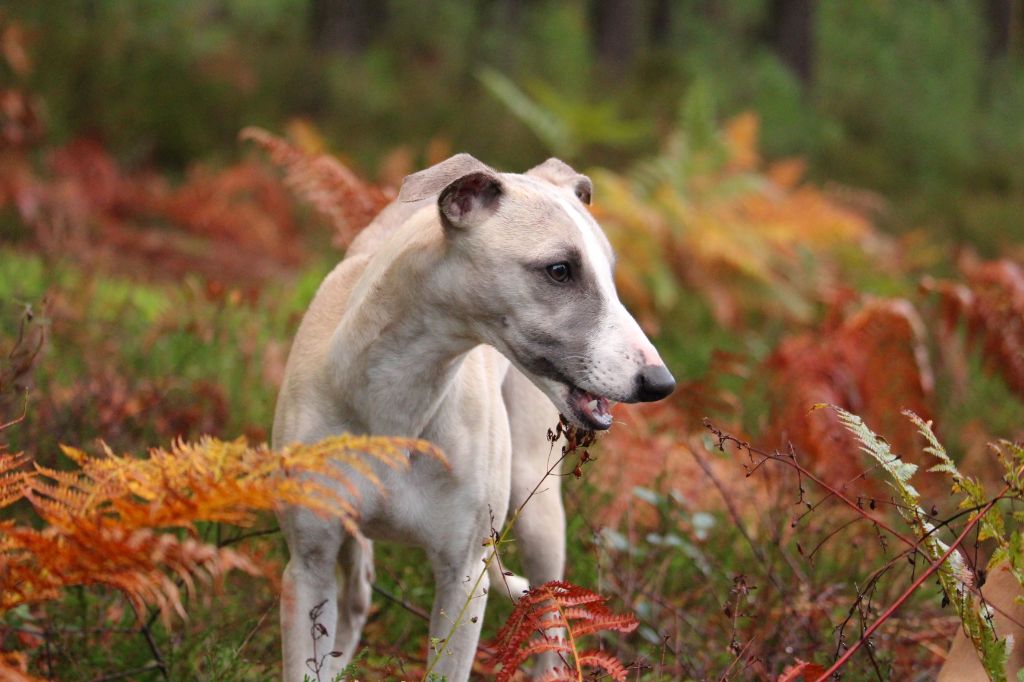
x,y
394,354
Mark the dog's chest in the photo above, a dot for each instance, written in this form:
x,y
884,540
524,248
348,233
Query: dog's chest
x,y
470,425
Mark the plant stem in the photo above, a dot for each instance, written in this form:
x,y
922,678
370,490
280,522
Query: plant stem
x,y
487,563
910,590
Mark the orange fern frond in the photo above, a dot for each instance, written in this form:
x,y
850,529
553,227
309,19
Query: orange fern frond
x,y
214,480
14,667
874,361
102,519
12,478
559,605
346,201
142,564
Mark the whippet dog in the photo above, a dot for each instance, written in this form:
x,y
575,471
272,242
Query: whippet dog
x,y
471,312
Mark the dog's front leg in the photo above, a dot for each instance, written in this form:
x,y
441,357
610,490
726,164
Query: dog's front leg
x,y
356,562
540,529
309,592
453,639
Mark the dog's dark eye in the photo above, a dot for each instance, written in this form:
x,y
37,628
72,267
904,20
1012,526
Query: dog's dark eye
x,y
559,272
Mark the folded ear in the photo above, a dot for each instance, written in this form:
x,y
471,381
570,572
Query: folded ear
x,y
558,172
467,189
430,181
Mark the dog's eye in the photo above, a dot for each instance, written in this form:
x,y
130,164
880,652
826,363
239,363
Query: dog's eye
x,y
559,272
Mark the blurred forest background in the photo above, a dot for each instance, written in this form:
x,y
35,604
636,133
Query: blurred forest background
x,y
814,201
920,100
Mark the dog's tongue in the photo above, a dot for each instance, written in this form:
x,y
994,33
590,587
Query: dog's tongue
x,y
595,408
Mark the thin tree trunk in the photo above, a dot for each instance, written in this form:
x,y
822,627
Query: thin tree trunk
x,y
1000,16
615,24
345,26
792,34
661,22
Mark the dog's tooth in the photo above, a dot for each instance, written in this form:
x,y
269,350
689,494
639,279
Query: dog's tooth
x,y
592,405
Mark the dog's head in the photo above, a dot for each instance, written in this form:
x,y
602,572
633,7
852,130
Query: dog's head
x,y
534,273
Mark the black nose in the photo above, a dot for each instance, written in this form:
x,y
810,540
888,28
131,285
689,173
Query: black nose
x,y
654,382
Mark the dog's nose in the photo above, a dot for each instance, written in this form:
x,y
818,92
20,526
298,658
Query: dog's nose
x,y
654,382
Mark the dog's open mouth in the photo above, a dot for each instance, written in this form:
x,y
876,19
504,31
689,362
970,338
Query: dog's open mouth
x,y
593,412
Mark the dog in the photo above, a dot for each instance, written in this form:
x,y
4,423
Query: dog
x,y
474,310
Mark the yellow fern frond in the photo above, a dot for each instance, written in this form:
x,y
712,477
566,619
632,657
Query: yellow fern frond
x,y
214,480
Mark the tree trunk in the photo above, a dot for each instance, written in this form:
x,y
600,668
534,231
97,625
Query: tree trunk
x,y
1000,16
661,22
792,34
345,25
615,24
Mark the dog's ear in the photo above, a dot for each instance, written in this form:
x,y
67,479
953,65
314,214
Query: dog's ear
x,y
469,200
430,181
558,172
468,189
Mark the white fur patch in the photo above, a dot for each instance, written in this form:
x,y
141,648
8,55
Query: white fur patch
x,y
594,253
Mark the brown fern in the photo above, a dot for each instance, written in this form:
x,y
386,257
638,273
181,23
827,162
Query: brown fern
x,y
559,605
873,362
144,565
991,303
346,201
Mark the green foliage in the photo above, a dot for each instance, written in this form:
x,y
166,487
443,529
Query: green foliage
x,y
172,80
168,337
904,78
954,575
565,126
905,96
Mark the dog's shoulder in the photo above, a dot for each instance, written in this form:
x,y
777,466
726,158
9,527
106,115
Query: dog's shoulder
x,y
330,301
310,346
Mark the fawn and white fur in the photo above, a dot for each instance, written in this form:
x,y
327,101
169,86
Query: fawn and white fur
x,y
470,313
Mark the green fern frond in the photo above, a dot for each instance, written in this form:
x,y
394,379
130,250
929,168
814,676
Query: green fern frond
x,y
954,575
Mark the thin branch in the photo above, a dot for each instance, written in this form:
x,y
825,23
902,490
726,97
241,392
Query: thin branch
x,y
913,587
724,438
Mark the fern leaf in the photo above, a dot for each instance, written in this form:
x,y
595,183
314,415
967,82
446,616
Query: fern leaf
x,y
604,661
103,518
558,605
900,471
347,202
622,623
544,124
954,575
12,479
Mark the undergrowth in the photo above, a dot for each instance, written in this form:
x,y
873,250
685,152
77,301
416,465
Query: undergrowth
x,y
140,309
